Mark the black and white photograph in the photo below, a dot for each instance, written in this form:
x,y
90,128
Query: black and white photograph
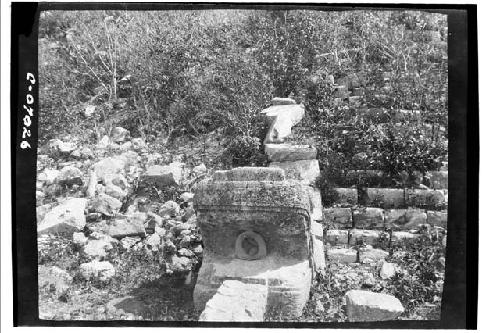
x,y
278,165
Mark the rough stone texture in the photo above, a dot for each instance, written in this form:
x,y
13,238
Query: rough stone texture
x,y
394,218
437,179
64,219
368,217
236,301
337,237
342,255
48,176
401,237
282,118
169,209
387,270
414,217
100,270
337,218
288,280
370,237
305,171
127,228
368,254
79,238
384,197
115,191
104,204
164,175
345,196
316,205
108,167
318,254
287,152
280,213
364,305
437,218
41,211
70,175
432,199
250,174
97,248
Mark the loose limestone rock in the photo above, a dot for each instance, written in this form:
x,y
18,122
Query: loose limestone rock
x,y
97,248
169,209
64,219
164,175
100,270
70,175
133,226
387,270
364,305
79,238
236,301
104,204
108,167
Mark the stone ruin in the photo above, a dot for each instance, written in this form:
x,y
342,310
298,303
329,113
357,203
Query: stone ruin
x,y
262,242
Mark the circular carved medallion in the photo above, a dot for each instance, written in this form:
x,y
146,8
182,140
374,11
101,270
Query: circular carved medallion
x,y
250,246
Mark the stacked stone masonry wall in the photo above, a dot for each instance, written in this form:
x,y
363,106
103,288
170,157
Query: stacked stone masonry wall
x,y
382,218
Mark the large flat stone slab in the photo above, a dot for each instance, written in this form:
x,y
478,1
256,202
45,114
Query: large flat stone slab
x,y
286,152
362,305
237,301
64,219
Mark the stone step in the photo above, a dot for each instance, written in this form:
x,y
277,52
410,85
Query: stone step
x,y
236,301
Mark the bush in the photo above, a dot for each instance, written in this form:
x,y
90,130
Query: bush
x,y
243,151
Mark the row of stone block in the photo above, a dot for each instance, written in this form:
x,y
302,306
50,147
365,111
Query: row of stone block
x,y
375,238
377,218
390,197
351,255
433,179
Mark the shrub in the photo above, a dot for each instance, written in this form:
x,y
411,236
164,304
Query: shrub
x,y
243,151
